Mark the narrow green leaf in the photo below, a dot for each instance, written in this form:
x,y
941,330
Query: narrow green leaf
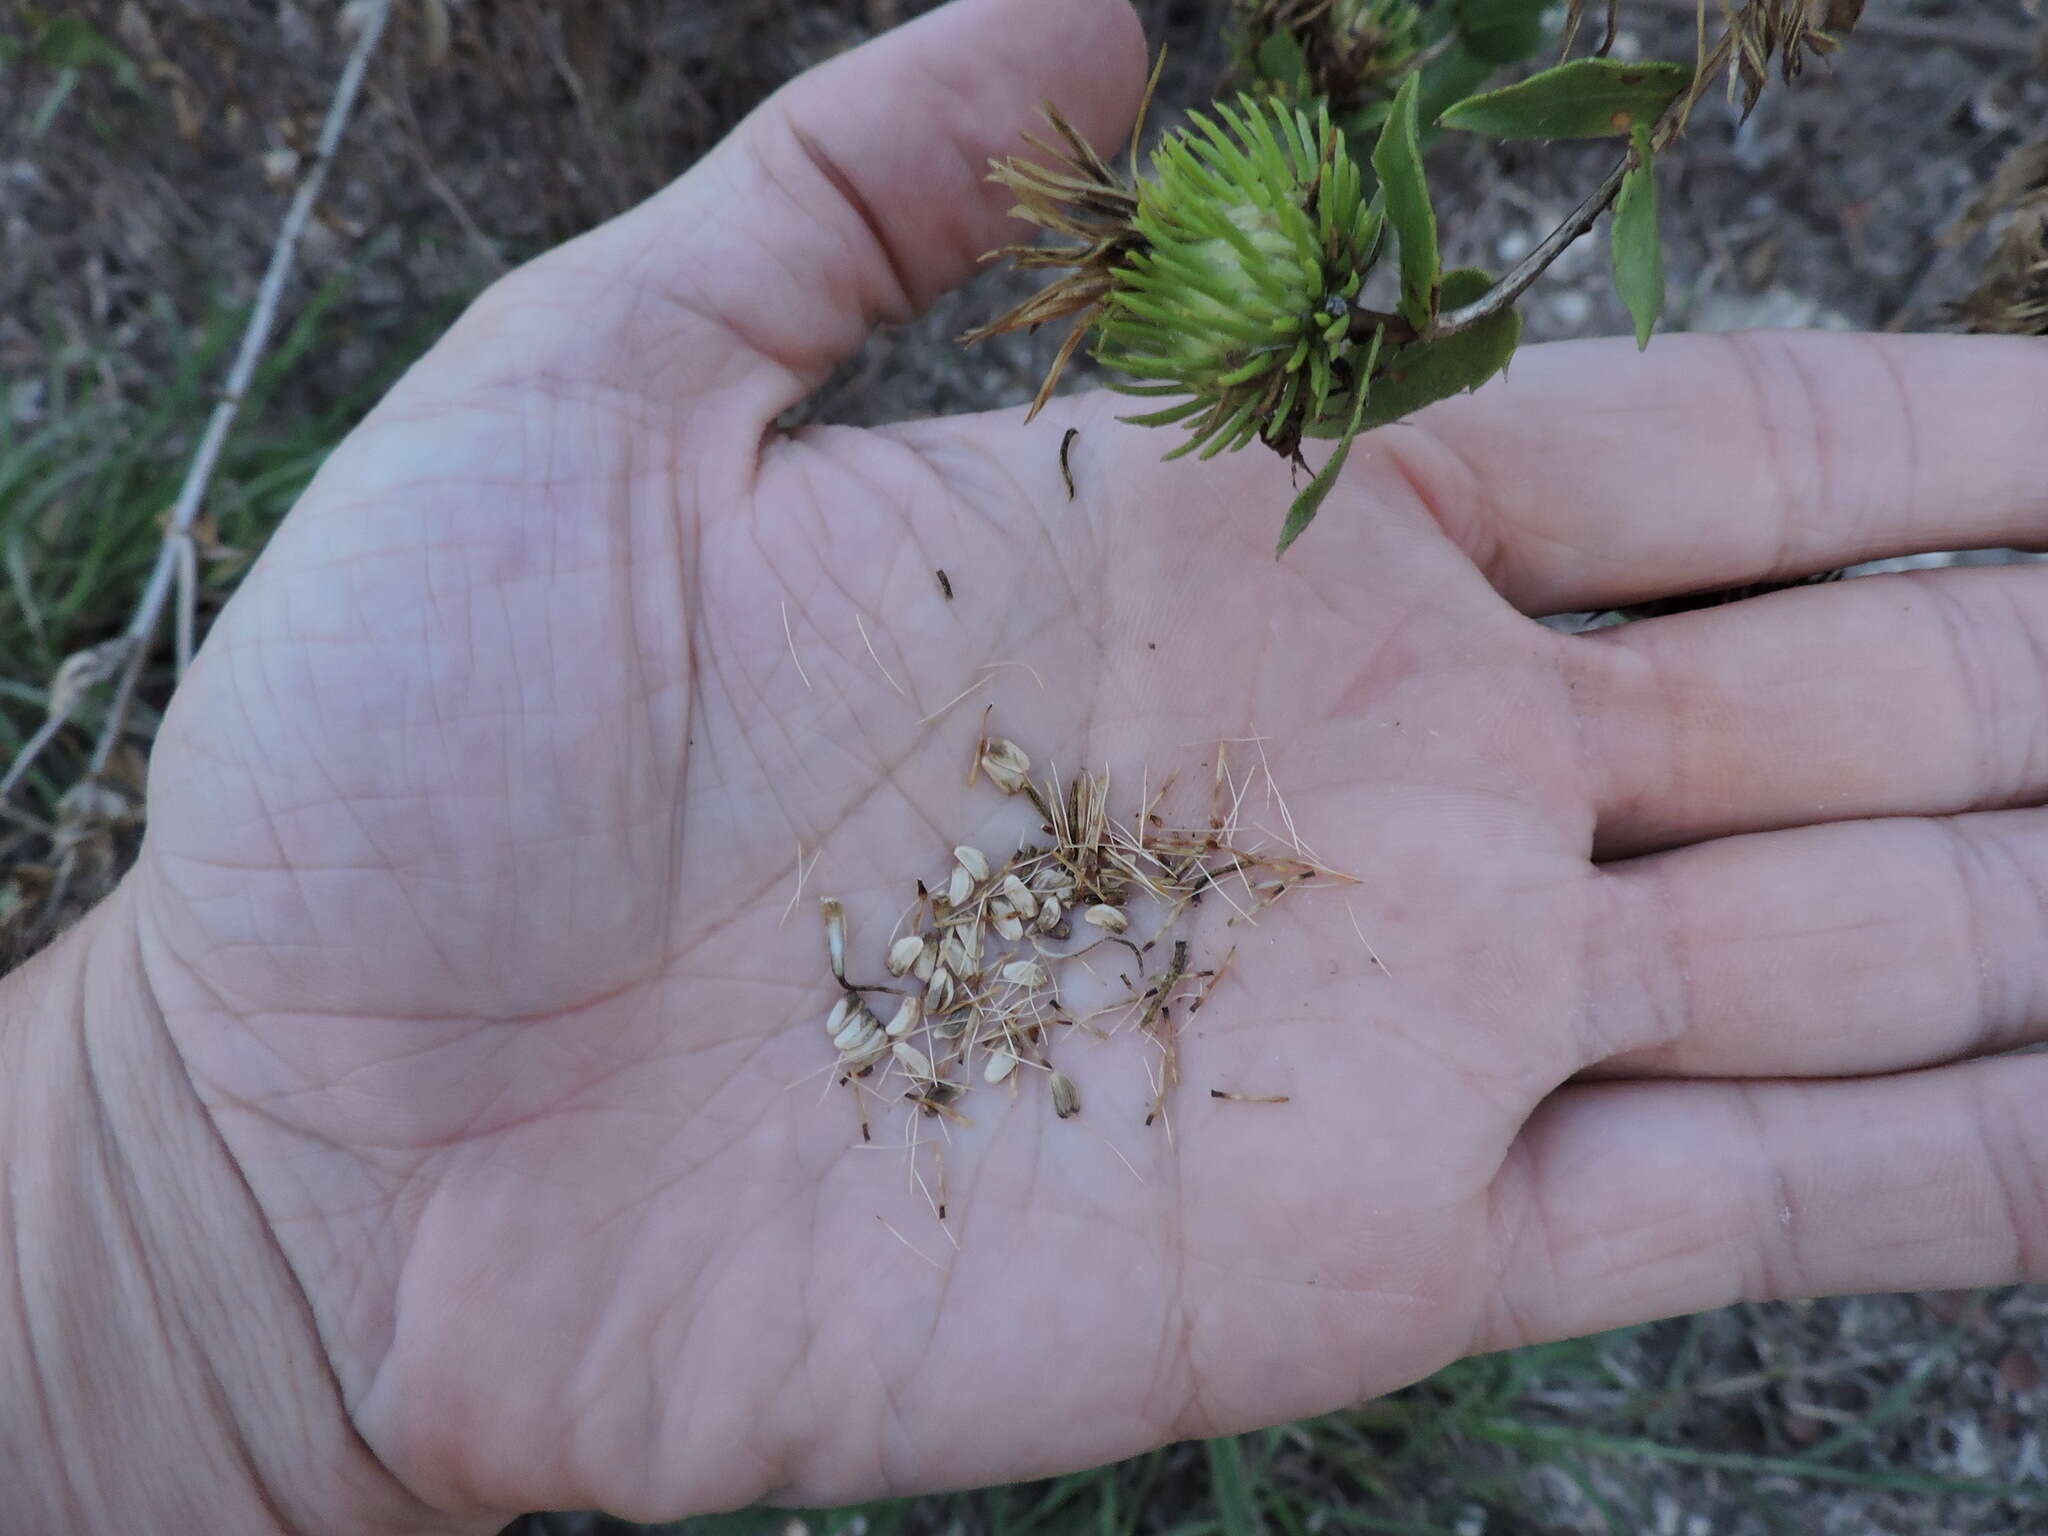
x,y
1585,99
1398,160
1310,501
1638,253
1423,373
1500,31
1231,1488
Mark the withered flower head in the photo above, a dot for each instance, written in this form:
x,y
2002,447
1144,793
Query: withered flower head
x,y
1787,30
1348,53
2011,298
1077,196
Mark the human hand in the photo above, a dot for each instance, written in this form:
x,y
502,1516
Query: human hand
x,y
474,827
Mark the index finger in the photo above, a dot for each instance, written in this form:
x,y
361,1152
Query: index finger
x,y
1592,477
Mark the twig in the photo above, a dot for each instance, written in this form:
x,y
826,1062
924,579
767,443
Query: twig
x,y
1504,294
170,568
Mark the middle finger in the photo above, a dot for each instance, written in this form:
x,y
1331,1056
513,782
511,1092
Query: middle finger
x,y
1919,693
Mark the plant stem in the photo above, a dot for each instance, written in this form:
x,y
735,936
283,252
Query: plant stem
x,y
1503,294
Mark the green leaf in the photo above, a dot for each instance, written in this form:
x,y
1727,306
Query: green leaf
x,y
72,42
1500,31
1425,372
1310,501
1398,160
1638,254
1228,1483
1449,79
1280,62
1585,99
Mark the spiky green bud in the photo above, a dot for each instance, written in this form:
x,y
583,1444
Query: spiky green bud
x,y
1254,236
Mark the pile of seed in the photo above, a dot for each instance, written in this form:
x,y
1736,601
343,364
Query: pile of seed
x,y
976,964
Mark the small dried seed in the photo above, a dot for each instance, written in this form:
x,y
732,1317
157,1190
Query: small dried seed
x,y
954,956
1054,880
938,992
1007,924
927,957
867,1051
1109,919
1066,1100
1019,896
1006,765
1000,1065
1048,915
915,1062
908,1017
974,861
959,887
841,1012
904,952
1026,973
856,1029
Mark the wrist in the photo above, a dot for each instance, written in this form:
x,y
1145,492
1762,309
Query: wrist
x,y
165,1372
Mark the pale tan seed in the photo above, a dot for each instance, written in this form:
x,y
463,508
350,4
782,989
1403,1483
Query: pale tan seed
x,y
927,957
1053,880
1006,765
1109,919
904,952
974,861
867,1051
1000,1065
915,1062
856,1029
1049,912
1066,1100
908,1017
1007,924
1019,896
841,1012
938,992
1026,973
959,886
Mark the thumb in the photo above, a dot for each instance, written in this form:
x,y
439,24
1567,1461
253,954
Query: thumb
x,y
857,193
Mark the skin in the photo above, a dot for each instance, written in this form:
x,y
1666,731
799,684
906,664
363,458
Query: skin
x,y
455,1026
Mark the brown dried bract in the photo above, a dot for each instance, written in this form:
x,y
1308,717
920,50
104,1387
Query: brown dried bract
x,y
2011,297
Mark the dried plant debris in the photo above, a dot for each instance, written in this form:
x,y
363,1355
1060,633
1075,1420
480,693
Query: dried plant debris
x,y
2011,298
977,966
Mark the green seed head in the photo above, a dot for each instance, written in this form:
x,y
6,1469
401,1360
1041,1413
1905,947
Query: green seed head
x,y
1254,235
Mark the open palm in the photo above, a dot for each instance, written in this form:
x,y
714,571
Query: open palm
x,y
475,832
